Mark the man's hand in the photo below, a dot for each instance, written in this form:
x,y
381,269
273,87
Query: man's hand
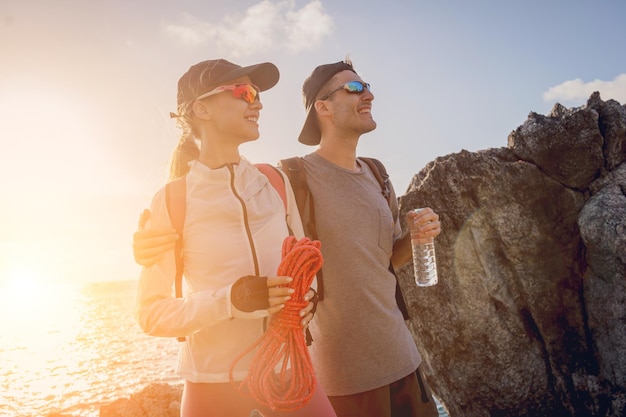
x,y
308,311
424,224
149,246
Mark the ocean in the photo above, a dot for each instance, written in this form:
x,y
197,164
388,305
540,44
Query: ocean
x,y
72,349
81,351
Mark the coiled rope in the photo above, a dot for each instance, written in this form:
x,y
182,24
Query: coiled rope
x,y
281,375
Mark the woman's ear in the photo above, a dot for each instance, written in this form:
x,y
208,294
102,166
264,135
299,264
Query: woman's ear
x,y
201,110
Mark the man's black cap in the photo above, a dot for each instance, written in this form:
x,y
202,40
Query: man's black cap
x,y
311,134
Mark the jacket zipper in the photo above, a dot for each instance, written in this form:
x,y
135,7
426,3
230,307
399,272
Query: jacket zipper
x,y
245,219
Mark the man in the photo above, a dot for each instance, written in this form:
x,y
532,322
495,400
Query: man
x,y
362,351
364,355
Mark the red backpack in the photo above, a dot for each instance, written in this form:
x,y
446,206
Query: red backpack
x,y
175,199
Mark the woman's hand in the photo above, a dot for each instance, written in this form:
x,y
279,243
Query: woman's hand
x,y
278,293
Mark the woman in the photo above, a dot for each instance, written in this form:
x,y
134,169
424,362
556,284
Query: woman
x,y
234,229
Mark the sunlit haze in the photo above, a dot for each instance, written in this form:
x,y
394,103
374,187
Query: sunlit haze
x,y
86,87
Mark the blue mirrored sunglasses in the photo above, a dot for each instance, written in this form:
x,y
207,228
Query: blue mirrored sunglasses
x,y
352,87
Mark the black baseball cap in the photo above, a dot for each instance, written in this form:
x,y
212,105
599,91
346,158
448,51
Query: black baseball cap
x,y
311,134
206,75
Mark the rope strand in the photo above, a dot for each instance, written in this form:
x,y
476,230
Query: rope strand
x,y
281,375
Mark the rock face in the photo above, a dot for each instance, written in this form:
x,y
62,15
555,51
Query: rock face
x,y
529,316
155,400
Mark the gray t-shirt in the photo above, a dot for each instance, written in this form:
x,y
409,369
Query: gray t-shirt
x,y
360,339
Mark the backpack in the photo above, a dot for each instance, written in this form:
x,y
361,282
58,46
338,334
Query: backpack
x,y
175,200
294,168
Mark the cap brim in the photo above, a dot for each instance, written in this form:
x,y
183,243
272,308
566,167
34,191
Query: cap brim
x,y
311,133
264,75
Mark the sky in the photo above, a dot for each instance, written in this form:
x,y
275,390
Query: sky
x,y
86,88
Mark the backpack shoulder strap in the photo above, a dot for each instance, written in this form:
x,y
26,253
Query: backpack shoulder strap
x,y
276,179
382,177
176,202
294,169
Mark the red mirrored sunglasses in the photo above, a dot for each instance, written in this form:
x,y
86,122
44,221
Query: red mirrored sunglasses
x,y
247,92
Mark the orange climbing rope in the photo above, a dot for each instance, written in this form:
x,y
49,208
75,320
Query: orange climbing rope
x,y
281,375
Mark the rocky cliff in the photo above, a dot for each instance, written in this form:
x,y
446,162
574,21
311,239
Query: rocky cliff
x,y
529,317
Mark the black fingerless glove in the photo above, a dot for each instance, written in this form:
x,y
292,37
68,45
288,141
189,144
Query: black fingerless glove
x,y
250,294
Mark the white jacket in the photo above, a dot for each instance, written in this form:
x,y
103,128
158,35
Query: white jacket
x,y
234,226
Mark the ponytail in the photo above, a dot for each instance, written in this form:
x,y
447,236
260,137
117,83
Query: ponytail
x,y
186,151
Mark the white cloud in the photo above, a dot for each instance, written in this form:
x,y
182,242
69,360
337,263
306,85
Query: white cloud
x,y
265,26
255,31
308,26
192,33
577,90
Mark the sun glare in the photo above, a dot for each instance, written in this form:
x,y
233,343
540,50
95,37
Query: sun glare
x,y
29,298
24,278
63,127
25,287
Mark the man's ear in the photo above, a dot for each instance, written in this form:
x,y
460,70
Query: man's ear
x,y
202,110
321,106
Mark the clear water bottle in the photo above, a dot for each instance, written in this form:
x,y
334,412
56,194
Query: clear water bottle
x,y
424,261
